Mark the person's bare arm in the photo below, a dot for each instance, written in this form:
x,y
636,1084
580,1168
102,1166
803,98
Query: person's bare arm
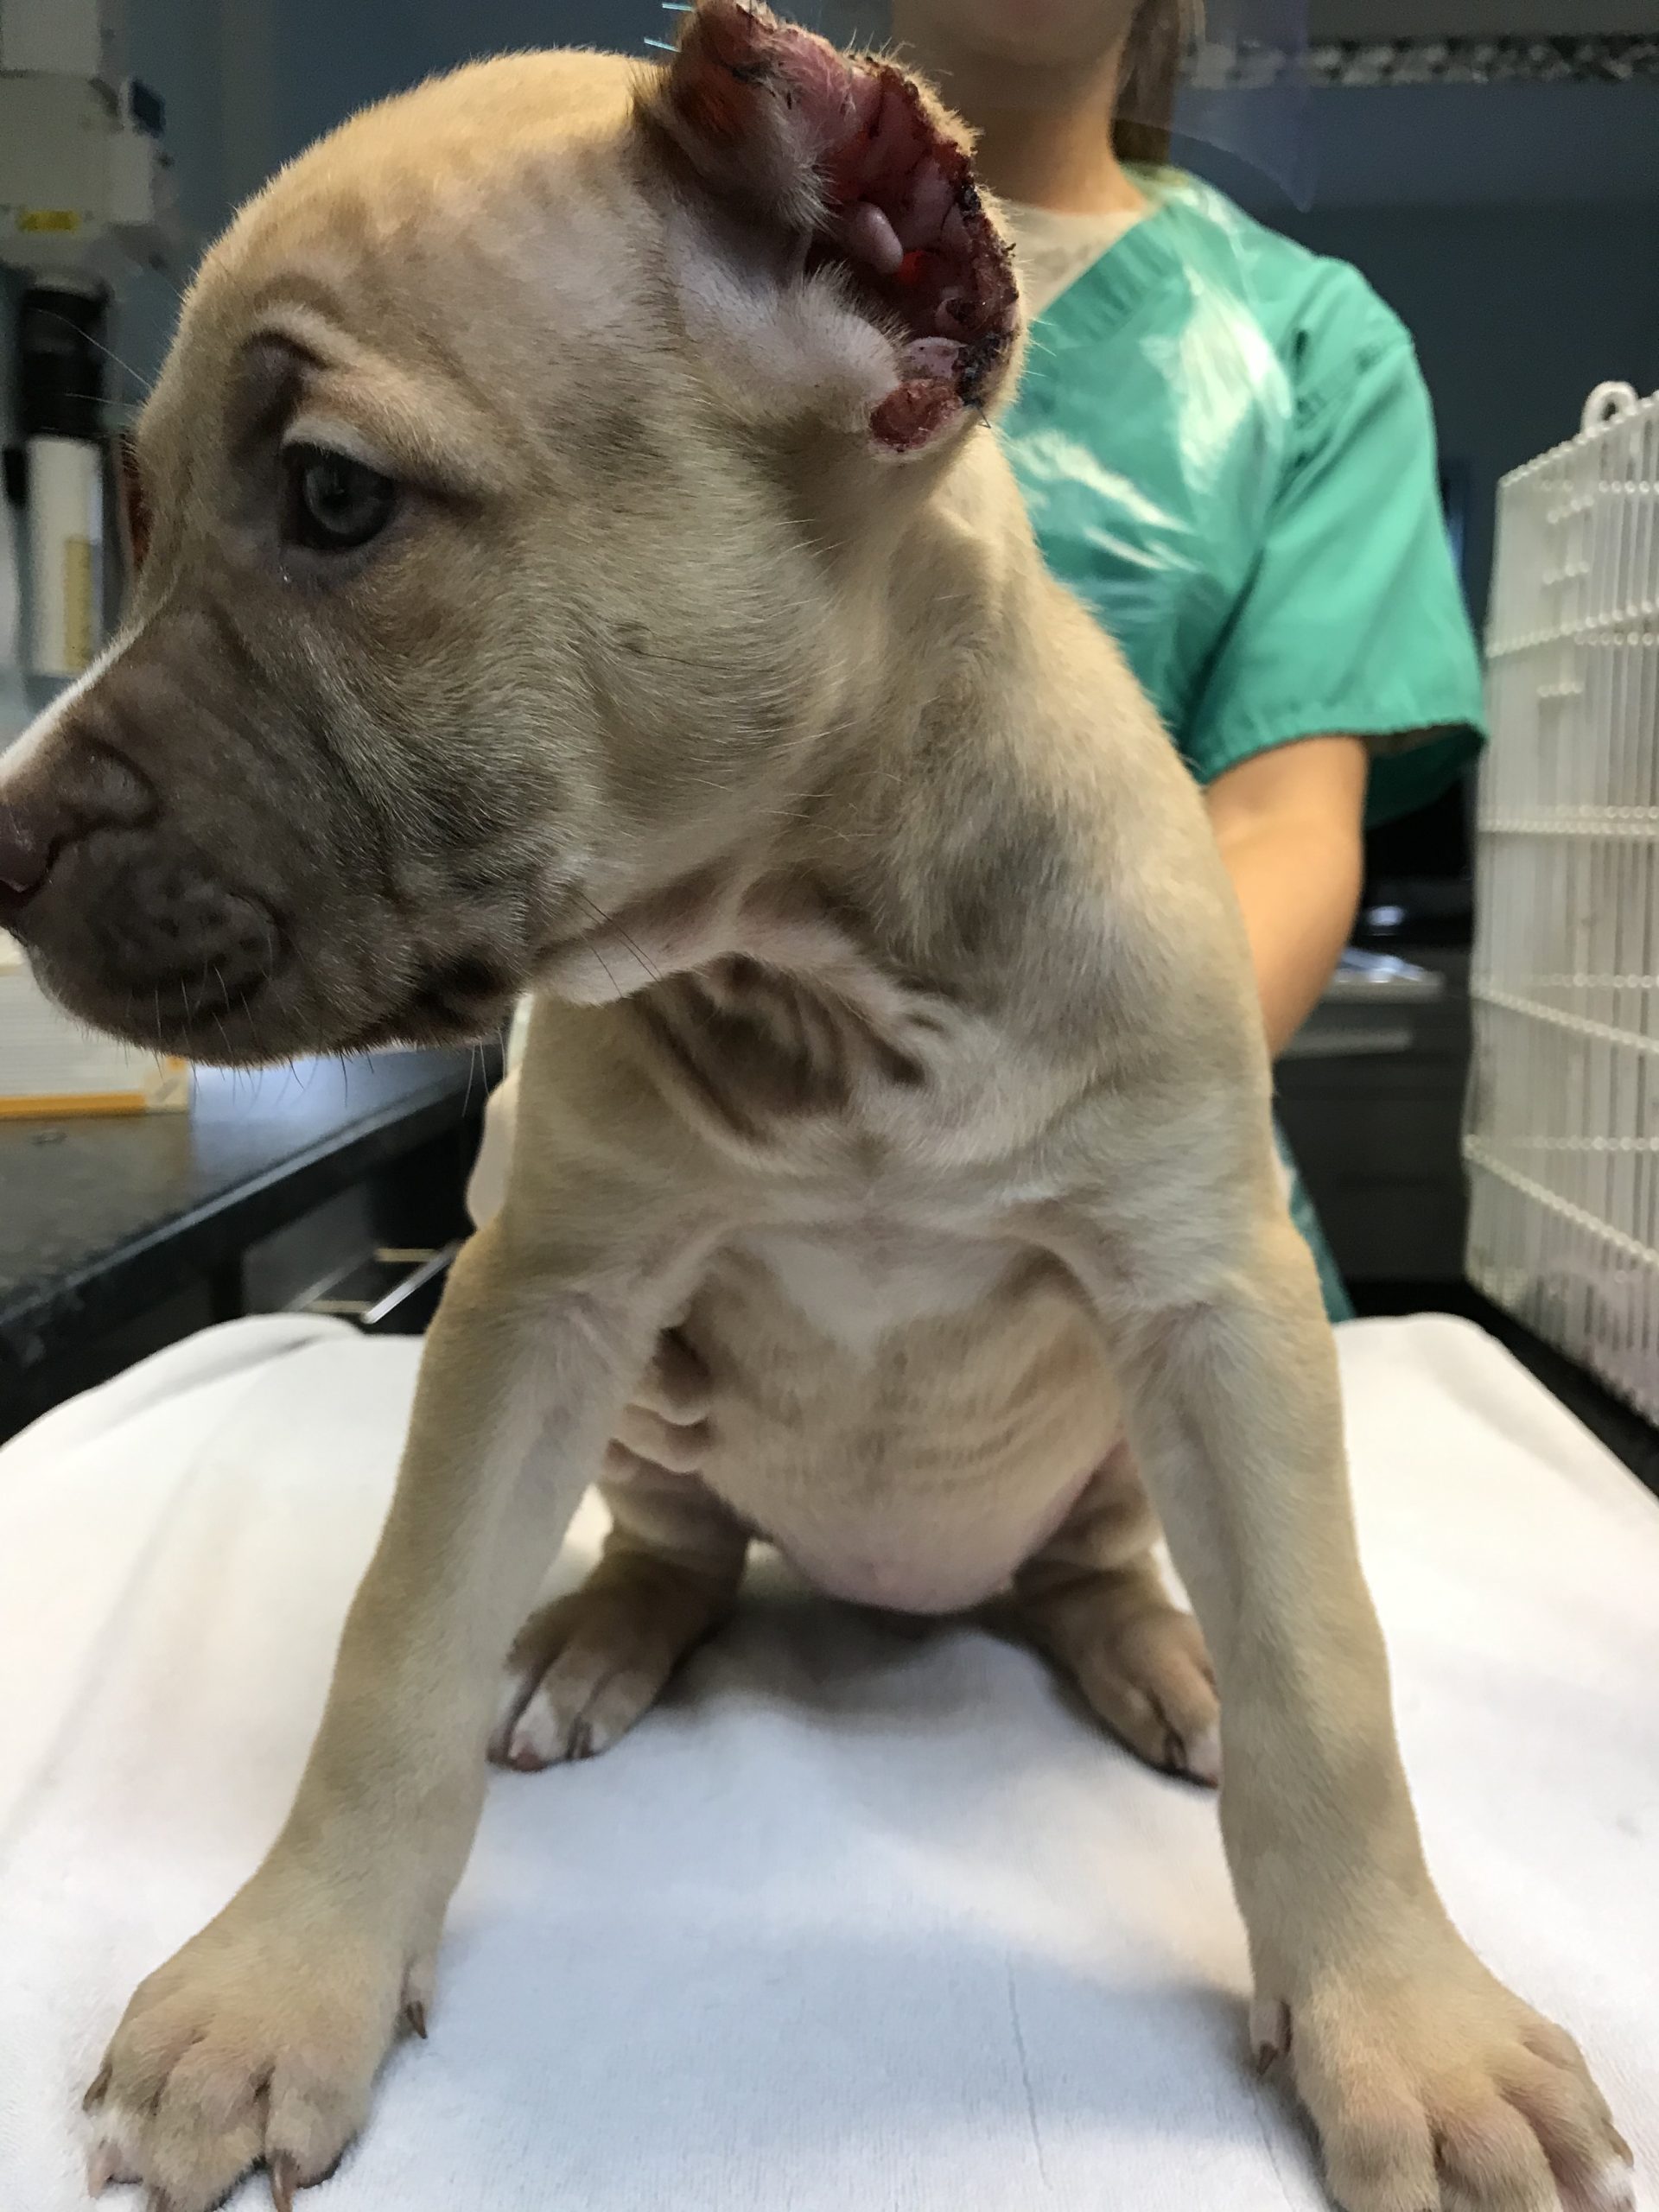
x,y
1289,824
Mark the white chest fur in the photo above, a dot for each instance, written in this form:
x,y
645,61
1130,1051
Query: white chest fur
x,y
857,1287
908,1415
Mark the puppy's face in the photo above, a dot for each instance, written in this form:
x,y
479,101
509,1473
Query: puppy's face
x,y
479,594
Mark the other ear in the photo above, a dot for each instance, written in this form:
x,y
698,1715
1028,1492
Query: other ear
x,y
132,509
833,257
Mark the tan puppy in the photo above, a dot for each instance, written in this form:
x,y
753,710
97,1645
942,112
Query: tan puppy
x,y
578,560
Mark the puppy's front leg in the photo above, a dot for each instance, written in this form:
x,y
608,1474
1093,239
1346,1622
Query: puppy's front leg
x,y
1430,2085
261,2038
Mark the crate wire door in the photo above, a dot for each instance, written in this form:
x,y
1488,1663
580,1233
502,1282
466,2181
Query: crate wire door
x,y
1562,1132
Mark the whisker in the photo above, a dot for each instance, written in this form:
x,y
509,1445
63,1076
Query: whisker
x,y
108,352
598,955
609,921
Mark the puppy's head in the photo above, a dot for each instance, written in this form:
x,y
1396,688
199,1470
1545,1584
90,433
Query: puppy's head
x,y
483,589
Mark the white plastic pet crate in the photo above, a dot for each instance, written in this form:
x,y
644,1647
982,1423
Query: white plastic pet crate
x,y
1562,1134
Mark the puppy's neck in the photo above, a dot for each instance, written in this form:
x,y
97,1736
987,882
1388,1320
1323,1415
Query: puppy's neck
x,y
938,595
872,844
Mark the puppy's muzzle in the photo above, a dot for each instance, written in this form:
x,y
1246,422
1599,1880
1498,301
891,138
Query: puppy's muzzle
x,y
29,846
129,922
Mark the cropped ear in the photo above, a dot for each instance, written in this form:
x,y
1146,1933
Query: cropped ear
x,y
833,257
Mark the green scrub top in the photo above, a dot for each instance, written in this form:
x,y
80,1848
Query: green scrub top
x,y
1227,451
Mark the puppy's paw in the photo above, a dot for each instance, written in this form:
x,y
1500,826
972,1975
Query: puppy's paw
x,y
1150,1681
587,1667
1441,2092
259,2042
1142,1665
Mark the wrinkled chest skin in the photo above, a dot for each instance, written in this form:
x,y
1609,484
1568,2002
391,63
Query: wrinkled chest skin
x,y
907,1401
907,1426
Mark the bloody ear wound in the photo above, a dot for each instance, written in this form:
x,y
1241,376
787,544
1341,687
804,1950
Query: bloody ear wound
x,y
853,155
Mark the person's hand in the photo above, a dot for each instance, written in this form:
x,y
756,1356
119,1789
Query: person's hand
x,y
666,1421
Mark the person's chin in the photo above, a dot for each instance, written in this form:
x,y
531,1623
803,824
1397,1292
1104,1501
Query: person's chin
x,y
1038,35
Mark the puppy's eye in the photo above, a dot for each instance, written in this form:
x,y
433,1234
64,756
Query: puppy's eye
x,y
331,502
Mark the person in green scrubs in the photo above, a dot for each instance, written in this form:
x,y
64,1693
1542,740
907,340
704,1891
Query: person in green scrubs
x,y
1228,453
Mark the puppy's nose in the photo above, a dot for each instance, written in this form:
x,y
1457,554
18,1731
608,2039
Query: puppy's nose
x,y
28,845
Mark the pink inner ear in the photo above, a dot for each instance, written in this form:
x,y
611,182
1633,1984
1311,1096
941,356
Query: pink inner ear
x,y
892,192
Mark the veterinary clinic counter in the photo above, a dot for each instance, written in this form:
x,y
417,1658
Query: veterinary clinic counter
x,y
120,1235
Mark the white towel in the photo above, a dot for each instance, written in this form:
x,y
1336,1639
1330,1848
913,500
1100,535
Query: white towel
x,y
866,1918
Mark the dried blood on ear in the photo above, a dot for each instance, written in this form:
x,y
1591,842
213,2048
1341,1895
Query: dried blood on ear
x,y
850,150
